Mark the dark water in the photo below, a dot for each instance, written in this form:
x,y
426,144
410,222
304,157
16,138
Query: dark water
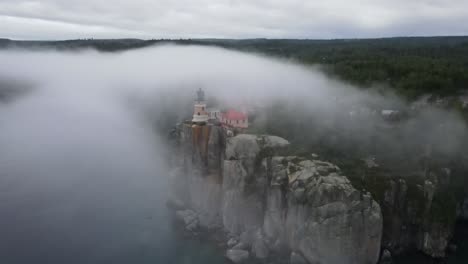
x,y
461,240
91,219
82,182
88,233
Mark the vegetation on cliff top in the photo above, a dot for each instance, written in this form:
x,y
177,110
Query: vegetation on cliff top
x,y
401,151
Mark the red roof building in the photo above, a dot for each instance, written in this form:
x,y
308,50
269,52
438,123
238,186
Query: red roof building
x,y
235,119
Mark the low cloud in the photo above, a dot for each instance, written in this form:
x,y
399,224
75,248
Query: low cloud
x,y
83,174
59,19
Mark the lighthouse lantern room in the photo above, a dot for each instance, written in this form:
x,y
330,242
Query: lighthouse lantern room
x,y
200,115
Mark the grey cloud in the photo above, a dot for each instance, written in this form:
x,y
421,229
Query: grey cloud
x,y
58,19
83,178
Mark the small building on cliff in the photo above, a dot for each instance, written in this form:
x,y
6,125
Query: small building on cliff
x,y
235,119
200,114
228,119
214,114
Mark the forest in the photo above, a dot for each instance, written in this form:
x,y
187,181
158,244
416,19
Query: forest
x,y
424,147
412,66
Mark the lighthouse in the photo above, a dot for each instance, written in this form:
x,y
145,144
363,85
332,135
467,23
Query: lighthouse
x,y
200,115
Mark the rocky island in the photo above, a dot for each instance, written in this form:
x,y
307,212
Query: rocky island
x,y
267,201
269,204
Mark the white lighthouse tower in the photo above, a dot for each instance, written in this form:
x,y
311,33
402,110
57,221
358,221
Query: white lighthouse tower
x,y
200,115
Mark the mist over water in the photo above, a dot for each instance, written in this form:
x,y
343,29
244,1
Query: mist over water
x,y
83,170
81,181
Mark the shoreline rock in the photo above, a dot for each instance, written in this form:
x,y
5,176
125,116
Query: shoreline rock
x,y
272,204
237,255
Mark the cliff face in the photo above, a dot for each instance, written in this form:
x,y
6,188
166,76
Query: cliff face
x,y
323,216
420,208
410,219
272,203
197,179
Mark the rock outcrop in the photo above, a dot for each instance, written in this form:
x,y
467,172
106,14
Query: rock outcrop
x,y
317,212
297,259
269,203
189,218
197,179
413,221
463,210
237,255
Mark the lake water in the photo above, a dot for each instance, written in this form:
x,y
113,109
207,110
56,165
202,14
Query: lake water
x,y
87,185
77,223
96,219
83,181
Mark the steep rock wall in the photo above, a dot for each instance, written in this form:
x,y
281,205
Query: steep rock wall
x,y
413,221
197,179
322,215
273,203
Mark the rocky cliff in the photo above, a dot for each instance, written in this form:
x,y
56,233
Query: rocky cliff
x,y
272,204
410,219
420,208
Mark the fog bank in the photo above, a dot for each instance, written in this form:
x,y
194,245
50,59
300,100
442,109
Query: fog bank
x,y
83,169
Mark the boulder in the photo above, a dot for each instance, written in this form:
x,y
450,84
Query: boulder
x,y
237,255
297,258
259,247
242,146
386,257
273,142
241,245
245,146
247,237
232,242
189,218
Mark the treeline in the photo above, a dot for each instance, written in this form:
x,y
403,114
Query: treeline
x,y
413,66
106,45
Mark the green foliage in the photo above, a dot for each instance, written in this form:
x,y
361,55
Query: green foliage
x,y
444,206
413,66
362,178
415,194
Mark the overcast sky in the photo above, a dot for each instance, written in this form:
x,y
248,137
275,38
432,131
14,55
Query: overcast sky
x,y
66,19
